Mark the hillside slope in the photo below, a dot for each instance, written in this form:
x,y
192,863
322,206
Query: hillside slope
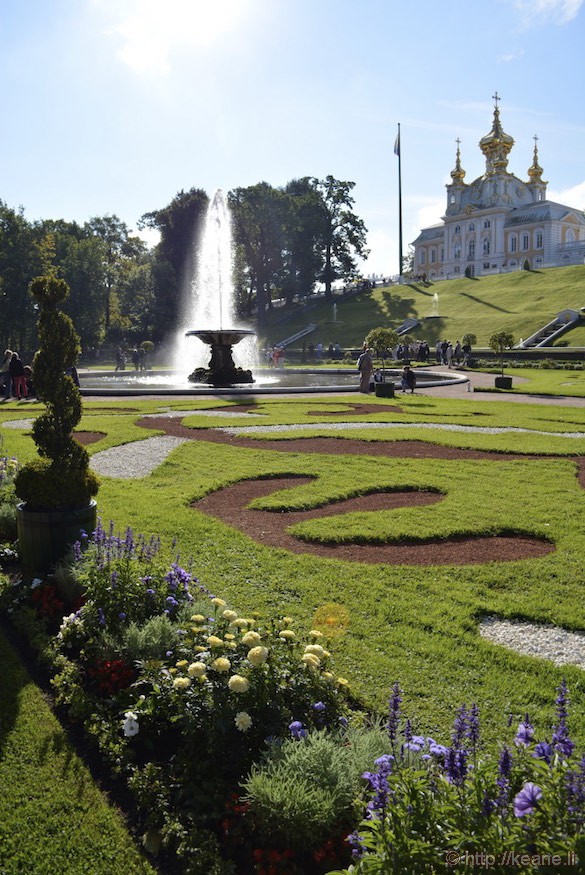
x,y
520,302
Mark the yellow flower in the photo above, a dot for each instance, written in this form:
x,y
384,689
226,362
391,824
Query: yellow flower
x,y
243,721
229,615
239,623
258,655
221,664
238,684
198,618
250,639
343,682
328,676
200,649
172,670
315,649
229,637
181,683
196,669
182,663
287,634
219,603
196,630
310,660
314,633
214,641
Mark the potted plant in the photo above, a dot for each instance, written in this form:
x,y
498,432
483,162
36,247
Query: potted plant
x,y
382,341
56,490
499,342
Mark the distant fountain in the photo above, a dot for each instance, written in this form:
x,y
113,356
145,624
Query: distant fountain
x,y
210,304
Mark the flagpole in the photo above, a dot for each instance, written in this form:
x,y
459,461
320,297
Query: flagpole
x,y
397,151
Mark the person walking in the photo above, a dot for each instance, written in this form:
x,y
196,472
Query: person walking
x,y
5,378
17,375
366,368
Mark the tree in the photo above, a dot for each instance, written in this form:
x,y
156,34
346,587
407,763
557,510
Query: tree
x,y
382,341
174,261
304,228
258,214
344,234
499,342
19,263
118,246
469,339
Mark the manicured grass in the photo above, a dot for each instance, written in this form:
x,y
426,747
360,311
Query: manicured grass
x,y
520,302
53,819
417,625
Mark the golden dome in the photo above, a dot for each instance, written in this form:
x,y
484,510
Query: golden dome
x,y
497,144
458,174
535,170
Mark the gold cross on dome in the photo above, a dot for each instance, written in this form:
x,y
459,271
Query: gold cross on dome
x,y
496,97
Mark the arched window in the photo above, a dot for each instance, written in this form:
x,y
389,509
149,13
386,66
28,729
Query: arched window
x,y
458,229
472,226
433,256
422,257
570,236
486,246
487,223
539,240
471,249
457,251
513,243
525,242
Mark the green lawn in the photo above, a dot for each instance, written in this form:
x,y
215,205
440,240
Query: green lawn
x,y
53,818
520,302
414,624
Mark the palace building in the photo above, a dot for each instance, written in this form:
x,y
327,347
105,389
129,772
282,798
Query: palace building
x,y
498,222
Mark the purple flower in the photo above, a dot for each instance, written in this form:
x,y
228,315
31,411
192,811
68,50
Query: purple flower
x,y
560,738
319,706
150,592
473,725
437,750
527,799
379,783
575,786
101,617
415,744
524,733
460,727
543,751
456,765
394,713
297,730
122,615
503,779
343,722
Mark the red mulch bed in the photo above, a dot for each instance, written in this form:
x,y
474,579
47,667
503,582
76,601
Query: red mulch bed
x,y
230,504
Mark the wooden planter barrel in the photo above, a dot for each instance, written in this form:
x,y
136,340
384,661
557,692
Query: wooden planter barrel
x,y
384,390
44,537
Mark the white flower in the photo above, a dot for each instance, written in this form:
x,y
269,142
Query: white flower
x,y
130,724
243,721
36,582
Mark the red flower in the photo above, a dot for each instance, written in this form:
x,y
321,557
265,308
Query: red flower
x,y
111,676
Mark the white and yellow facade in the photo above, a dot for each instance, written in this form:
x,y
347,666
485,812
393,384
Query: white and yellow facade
x,y
498,222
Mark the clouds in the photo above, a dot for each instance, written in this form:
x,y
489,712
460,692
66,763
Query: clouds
x,y
150,33
559,12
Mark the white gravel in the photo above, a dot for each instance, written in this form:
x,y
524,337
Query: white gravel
x,y
226,414
530,639
357,426
137,459
18,423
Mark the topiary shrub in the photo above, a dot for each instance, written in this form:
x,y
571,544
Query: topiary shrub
x,y
61,478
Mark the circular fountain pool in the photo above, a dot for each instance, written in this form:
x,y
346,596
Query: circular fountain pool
x,y
266,382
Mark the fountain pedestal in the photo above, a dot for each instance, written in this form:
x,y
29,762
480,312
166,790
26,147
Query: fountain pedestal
x,y
221,370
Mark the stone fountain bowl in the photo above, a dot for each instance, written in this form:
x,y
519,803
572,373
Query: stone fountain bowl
x,y
221,336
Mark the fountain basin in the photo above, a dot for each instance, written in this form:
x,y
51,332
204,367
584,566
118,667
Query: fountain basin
x,y
221,370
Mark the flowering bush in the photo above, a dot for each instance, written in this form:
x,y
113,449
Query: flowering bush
x,y
434,807
8,500
179,691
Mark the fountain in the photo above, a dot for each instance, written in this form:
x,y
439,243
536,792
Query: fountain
x,y
211,302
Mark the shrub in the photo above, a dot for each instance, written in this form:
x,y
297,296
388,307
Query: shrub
x,y
305,790
61,479
8,470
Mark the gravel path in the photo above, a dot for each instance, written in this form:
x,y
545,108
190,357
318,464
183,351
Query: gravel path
x,y
137,459
530,639
346,426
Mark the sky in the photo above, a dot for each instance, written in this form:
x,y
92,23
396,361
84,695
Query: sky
x,y
114,106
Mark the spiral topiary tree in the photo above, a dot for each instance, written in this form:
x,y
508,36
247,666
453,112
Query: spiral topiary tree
x,y
61,479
